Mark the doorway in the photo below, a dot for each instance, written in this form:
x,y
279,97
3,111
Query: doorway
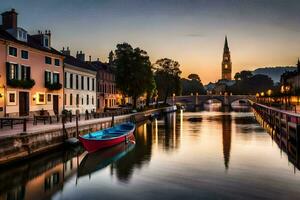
x,y
55,104
23,103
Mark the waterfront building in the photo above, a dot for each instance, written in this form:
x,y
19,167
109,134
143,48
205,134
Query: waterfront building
x,y
290,81
226,62
107,94
31,70
79,83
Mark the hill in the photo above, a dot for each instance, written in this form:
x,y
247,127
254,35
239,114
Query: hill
x,y
273,72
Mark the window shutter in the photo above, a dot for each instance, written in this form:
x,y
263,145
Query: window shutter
x,y
28,73
16,71
45,78
57,78
23,68
7,71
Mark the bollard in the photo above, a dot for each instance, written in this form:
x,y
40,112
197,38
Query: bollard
x,y
77,132
112,120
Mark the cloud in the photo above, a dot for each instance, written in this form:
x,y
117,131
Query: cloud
x,y
195,35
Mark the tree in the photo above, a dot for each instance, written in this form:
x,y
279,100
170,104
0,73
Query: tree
x,y
133,71
194,77
243,75
192,85
111,57
252,85
167,77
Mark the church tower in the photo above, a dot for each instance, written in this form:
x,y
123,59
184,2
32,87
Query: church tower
x,y
226,63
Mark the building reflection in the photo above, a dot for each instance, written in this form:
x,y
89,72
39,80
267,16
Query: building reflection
x,y
39,178
226,138
288,146
139,156
168,131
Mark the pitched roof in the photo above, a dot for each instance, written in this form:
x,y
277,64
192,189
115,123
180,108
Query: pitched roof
x,y
102,66
78,63
31,42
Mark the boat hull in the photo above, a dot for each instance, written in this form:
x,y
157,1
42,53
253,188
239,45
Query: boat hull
x,y
95,145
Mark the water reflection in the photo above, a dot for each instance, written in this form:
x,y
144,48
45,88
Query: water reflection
x,y
40,177
136,158
192,155
96,161
226,136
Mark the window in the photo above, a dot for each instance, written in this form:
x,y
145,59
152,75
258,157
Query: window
x,y
25,73
77,99
24,54
92,100
47,77
71,81
82,82
13,51
88,83
11,98
12,70
48,60
82,101
71,99
49,97
87,99
56,62
65,99
93,84
65,79
77,82
46,41
40,98
55,77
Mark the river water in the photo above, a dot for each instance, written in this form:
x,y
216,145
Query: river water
x,y
184,155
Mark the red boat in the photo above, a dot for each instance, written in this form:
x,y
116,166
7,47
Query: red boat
x,y
108,137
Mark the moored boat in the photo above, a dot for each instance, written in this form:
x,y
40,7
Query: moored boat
x,y
108,137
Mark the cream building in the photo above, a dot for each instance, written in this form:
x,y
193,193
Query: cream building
x,y
79,83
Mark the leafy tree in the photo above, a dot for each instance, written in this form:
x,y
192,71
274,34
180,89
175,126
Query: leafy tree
x,y
167,77
133,71
111,57
151,89
192,85
252,85
243,75
194,76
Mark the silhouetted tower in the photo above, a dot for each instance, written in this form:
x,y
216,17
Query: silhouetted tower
x,y
226,63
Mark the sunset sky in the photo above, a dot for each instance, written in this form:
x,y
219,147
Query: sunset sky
x,y
260,32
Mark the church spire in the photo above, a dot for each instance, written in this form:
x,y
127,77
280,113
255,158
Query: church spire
x,y
226,48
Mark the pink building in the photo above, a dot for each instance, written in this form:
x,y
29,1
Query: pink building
x,y
31,71
107,94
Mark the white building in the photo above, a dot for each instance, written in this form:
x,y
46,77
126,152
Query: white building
x,y
79,83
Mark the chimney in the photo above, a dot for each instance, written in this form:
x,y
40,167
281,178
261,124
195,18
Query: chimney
x,y
66,52
10,19
80,56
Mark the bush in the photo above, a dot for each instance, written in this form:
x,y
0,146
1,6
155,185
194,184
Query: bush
x,y
53,86
26,84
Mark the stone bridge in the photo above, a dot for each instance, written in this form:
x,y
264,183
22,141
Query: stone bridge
x,y
199,100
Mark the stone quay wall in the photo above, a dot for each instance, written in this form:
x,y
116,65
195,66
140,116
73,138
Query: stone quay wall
x,y
24,145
